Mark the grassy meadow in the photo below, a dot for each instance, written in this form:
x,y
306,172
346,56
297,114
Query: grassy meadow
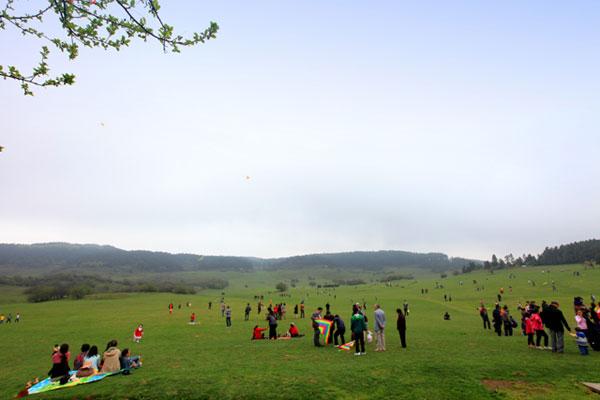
x,y
444,359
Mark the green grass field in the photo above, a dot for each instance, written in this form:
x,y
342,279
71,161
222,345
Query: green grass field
x,y
444,359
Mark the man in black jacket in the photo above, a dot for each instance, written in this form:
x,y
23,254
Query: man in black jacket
x,y
555,320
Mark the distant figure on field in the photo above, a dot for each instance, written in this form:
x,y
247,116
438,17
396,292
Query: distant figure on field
x,y
296,311
446,316
406,310
484,316
210,305
193,319
379,328
17,317
228,317
401,326
247,312
138,333
170,308
302,315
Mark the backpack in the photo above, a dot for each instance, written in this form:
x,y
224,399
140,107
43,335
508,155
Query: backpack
x,y
513,323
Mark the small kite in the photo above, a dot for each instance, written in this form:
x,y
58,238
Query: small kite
x,y
346,346
324,327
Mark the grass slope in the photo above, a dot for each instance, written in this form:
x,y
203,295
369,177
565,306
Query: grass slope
x,y
444,359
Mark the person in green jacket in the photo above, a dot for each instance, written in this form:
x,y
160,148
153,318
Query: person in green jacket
x,y
358,327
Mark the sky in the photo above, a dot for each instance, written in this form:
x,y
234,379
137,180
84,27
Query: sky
x,y
464,127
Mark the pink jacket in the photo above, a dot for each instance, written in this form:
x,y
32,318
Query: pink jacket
x,y
537,323
529,329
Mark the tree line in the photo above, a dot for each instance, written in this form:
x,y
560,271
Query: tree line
x,y
586,251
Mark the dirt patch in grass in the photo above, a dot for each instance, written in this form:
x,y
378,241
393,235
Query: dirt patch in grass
x,y
516,389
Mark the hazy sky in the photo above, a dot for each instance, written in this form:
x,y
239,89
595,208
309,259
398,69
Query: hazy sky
x,y
465,127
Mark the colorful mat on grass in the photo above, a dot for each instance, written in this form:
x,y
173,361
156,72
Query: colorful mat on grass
x,y
47,384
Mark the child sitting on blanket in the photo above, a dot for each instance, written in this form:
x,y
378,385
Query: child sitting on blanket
x,y
128,362
258,333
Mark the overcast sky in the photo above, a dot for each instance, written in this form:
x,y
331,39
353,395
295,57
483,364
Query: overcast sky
x,y
469,128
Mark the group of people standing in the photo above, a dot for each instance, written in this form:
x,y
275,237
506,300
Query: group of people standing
x,y
359,327
535,319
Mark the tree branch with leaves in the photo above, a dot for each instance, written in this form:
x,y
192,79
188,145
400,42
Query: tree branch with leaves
x,y
106,24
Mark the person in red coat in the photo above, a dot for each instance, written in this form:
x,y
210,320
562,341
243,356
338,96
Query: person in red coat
x,y
258,333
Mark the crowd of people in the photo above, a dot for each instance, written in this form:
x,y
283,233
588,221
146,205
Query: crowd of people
x,y
536,319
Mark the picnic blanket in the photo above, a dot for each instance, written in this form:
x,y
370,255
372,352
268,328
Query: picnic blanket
x,y
47,384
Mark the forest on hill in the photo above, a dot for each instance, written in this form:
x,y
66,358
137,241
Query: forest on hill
x,y
63,257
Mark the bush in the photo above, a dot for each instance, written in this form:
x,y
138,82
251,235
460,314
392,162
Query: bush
x,y
281,287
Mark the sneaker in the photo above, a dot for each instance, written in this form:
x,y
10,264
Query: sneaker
x,y
357,354
548,348
364,353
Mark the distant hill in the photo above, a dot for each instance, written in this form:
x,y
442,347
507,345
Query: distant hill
x,y
62,257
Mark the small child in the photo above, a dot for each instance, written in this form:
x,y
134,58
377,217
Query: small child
x,y
582,343
128,363
193,319
138,333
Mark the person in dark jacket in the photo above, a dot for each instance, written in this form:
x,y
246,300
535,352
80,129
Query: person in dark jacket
x,y
555,321
497,319
401,326
340,330
272,325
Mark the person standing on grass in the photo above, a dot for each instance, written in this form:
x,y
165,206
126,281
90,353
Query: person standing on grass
x,y
247,312
296,311
401,326
529,330
302,315
406,311
272,325
506,320
497,319
315,316
380,328
228,317
329,317
358,327
556,322
210,305
484,316
17,318
340,330
170,308
538,327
